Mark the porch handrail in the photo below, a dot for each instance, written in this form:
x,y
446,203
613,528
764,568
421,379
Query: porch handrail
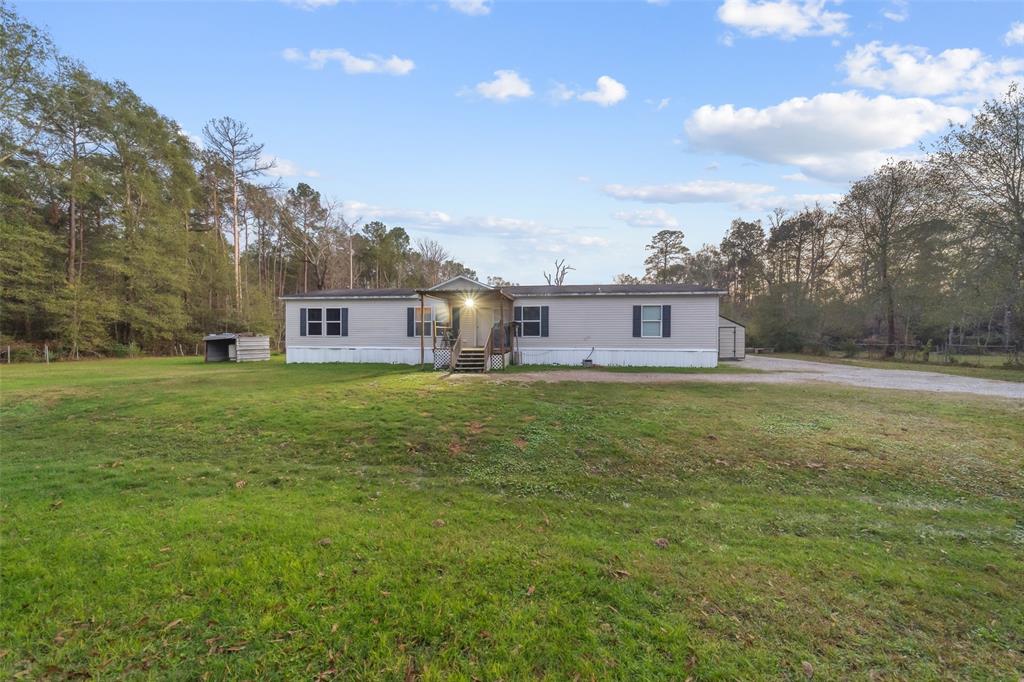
x,y
487,350
456,351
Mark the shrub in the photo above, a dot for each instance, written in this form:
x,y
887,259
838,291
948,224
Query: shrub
x,y
120,350
849,348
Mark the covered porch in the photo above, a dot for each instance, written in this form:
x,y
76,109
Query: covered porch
x,y
478,334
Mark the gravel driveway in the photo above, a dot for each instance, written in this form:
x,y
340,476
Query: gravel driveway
x,y
785,371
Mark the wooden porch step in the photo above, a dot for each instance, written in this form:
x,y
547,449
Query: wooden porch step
x,y
471,360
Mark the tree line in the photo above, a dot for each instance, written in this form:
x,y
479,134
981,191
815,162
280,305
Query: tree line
x,y
918,252
118,231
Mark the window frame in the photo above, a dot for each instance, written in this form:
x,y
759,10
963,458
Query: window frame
x,y
328,322
310,322
644,322
419,324
523,321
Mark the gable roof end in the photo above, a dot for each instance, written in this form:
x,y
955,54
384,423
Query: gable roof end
x,y
447,284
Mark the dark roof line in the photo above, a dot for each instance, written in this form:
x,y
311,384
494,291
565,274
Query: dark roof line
x,y
355,293
606,289
732,320
532,290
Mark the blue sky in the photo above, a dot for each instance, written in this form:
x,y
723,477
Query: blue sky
x,y
520,132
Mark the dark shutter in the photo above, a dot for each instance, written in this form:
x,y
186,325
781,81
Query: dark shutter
x,y
543,320
344,321
410,322
666,321
636,321
302,321
456,321
517,316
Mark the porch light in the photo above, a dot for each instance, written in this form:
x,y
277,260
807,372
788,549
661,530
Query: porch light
x,y
470,302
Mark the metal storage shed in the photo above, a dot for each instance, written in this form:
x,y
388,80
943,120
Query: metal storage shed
x,y
229,347
732,339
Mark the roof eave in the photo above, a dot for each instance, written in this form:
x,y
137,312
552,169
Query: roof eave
x,y
620,293
344,297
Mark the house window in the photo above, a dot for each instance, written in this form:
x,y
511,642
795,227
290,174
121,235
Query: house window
x,y
531,320
424,322
315,322
333,321
650,321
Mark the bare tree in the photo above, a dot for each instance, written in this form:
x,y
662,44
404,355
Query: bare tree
x,y
317,232
432,256
557,278
233,143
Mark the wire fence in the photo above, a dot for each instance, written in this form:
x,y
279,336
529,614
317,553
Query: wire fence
x,y
950,353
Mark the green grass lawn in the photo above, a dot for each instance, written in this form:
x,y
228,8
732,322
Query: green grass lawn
x,y
990,367
170,519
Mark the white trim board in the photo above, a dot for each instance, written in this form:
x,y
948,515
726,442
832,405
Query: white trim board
x,y
621,357
363,354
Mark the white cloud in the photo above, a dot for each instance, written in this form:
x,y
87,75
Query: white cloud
x,y
657,218
588,240
283,168
659,105
318,59
1015,36
792,202
786,19
961,75
561,93
899,12
311,4
356,210
694,192
507,85
609,92
796,177
474,8
197,140
832,135
522,236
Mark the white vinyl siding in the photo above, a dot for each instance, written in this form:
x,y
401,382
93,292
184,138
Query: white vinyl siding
x,y
606,322
378,323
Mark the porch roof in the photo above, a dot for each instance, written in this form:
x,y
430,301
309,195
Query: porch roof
x,y
464,287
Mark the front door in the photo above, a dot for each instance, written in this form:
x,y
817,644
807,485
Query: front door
x,y
484,321
467,326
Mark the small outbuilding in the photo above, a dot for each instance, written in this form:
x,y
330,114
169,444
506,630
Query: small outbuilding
x,y
228,347
732,339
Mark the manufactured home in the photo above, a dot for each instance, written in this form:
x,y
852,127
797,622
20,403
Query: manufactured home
x,y
465,325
